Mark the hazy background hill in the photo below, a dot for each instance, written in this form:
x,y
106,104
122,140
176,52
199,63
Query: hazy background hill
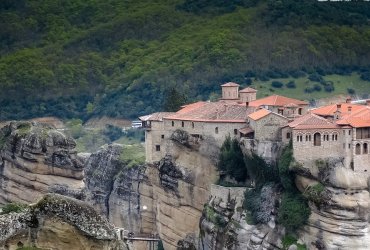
x,y
123,58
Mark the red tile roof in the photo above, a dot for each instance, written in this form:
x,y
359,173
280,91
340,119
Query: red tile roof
x,y
354,115
212,112
276,100
357,118
259,114
155,116
329,110
246,130
248,90
312,121
230,84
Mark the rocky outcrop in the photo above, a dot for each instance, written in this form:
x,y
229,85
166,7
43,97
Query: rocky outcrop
x,y
224,224
113,188
58,222
175,190
37,159
340,212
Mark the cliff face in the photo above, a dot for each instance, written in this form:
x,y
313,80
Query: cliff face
x,y
58,222
175,190
224,224
113,188
340,213
36,159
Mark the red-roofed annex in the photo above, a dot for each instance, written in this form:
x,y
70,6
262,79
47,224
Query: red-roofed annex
x,y
340,131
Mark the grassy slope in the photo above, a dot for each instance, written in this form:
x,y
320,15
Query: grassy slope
x,y
341,84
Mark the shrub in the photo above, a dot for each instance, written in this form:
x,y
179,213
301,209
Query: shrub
x,y
291,85
286,176
297,73
112,132
13,208
317,88
315,194
231,160
315,77
351,91
277,84
289,240
293,211
329,87
365,76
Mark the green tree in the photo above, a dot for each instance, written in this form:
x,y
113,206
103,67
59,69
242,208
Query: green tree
x,y
231,160
173,100
293,211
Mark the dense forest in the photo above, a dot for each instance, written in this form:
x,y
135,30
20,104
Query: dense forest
x,y
123,58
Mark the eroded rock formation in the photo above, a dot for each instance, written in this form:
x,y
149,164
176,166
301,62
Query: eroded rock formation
x,y
58,222
36,159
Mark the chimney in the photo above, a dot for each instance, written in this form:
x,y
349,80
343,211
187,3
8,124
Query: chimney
x,y
349,99
349,108
337,112
368,102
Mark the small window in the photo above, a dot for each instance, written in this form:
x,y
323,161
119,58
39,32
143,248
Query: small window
x,y
349,132
192,124
365,149
216,130
182,124
288,135
162,136
349,145
317,139
235,131
157,148
300,111
173,123
358,149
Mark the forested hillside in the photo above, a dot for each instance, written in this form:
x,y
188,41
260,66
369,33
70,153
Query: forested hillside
x,y
123,58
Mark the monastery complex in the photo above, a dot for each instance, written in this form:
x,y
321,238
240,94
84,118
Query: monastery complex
x,y
340,131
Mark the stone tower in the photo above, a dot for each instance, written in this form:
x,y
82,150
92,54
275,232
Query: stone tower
x,y
230,91
247,94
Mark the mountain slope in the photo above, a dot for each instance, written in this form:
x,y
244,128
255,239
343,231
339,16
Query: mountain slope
x,y
120,58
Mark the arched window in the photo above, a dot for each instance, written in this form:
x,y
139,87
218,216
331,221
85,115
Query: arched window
x,y
288,135
358,149
317,139
173,123
365,149
216,130
182,124
235,131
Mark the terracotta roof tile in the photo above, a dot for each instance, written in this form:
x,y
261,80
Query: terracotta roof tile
x,y
248,90
329,110
230,84
259,114
155,116
276,100
312,121
211,112
246,130
359,117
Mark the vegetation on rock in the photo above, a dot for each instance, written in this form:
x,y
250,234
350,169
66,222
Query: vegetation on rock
x,y
231,161
13,208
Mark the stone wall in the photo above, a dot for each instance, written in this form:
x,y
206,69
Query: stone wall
x,y
304,151
268,127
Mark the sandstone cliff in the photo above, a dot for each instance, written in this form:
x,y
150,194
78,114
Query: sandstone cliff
x,y
36,159
58,222
113,188
176,188
340,212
